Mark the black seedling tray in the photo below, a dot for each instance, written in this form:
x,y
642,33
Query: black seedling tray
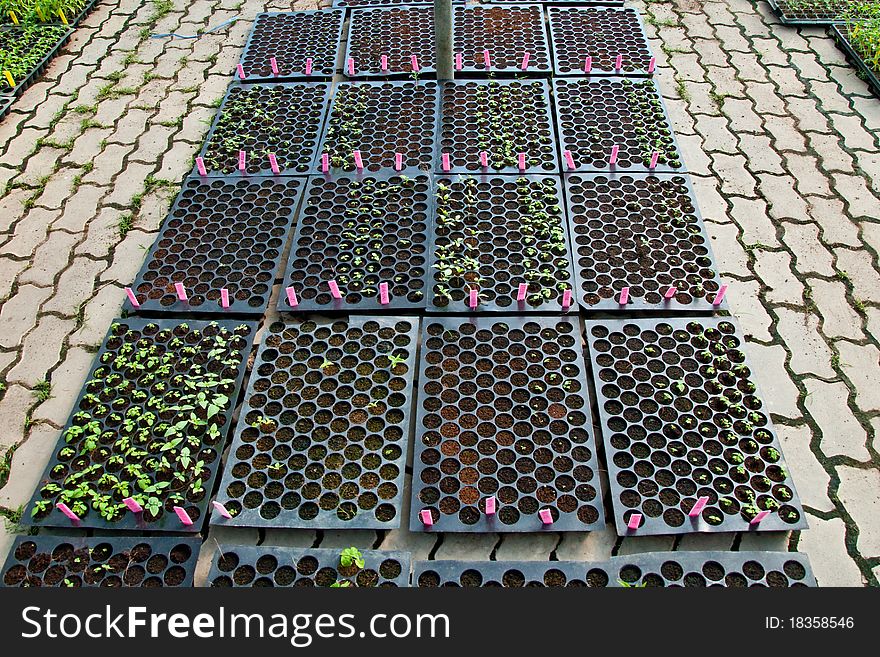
x,y
663,389
841,37
510,244
602,33
504,411
460,131
585,3
385,118
292,38
121,397
828,14
361,243
302,105
6,105
507,32
220,233
651,569
396,32
247,566
641,231
37,71
382,3
101,561
595,114
329,447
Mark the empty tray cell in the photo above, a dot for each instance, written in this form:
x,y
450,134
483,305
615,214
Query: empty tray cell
x,y
493,234
598,114
322,438
292,39
501,118
221,233
283,119
685,426
504,418
106,561
398,33
249,566
602,34
361,232
642,232
150,424
507,33
380,120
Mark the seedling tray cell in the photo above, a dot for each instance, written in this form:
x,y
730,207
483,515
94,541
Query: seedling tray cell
x,y
507,32
28,40
596,114
247,566
150,423
220,233
323,433
361,231
381,119
502,118
5,105
396,32
869,74
682,420
281,118
643,232
292,38
105,561
494,233
504,412
822,12
601,33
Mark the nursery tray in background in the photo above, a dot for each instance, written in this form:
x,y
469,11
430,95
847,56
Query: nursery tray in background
x,y
381,119
6,105
663,569
269,566
810,12
601,33
396,32
220,233
361,230
28,37
323,433
106,561
282,118
682,419
291,38
869,74
507,32
644,232
504,412
493,233
116,430
595,114
521,123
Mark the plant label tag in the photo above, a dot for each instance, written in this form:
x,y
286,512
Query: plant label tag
x,y
758,518
458,63
569,160
521,161
484,159
274,64
383,62
273,162
615,151
624,296
654,157
308,65
133,506
588,64
521,291
618,63
720,296
383,294
240,70
181,292
224,298
473,299
325,163
670,293
292,301
652,64
351,65
183,515
546,516
490,506
219,508
525,62
398,161
444,162
634,521
698,507
414,63
334,290
566,299
200,165
132,298
426,517
242,161
358,160
61,506
487,60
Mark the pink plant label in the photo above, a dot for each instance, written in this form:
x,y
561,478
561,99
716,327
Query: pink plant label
x,y
487,59
458,63
569,160
383,62
484,159
132,298
566,299
490,506
698,507
546,516
618,63
525,62
624,296
398,161
61,506
634,521
652,64
358,160
292,301
183,515
615,151
325,162
274,64
588,64
654,157
414,63
444,162
222,510
334,290
242,161
670,293
181,292
351,65
383,294
473,299
133,506
273,162
720,296
521,161
522,291
200,165
308,66
426,517
758,518
240,70
224,298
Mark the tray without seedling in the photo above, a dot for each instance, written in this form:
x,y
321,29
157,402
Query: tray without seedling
x,y
507,32
292,38
150,423
268,566
682,419
398,33
494,233
643,232
361,231
220,233
504,412
502,118
281,118
322,438
601,33
105,561
596,114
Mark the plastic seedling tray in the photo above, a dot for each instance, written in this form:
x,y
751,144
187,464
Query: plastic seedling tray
x,y
248,566
685,430
664,569
566,2
501,118
841,37
642,232
380,120
398,34
381,3
504,418
823,12
362,232
322,438
133,421
282,118
106,561
601,33
304,45
597,115
494,234
507,32
9,34
6,105
221,233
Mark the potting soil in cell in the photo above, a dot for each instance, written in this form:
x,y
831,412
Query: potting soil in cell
x,y
505,34
398,33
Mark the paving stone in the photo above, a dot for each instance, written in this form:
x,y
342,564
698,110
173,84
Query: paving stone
x,y
587,546
128,256
810,256
809,352
849,126
705,542
642,544
359,538
810,478
9,270
712,204
102,234
774,270
825,542
782,199
695,157
858,267
30,232
16,402
467,547
49,258
762,157
74,286
98,314
80,209
861,201
752,216
860,364
745,305
836,226
780,393
842,435
765,541
19,313
730,256
41,350
839,319
28,464
67,380
860,493
527,547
